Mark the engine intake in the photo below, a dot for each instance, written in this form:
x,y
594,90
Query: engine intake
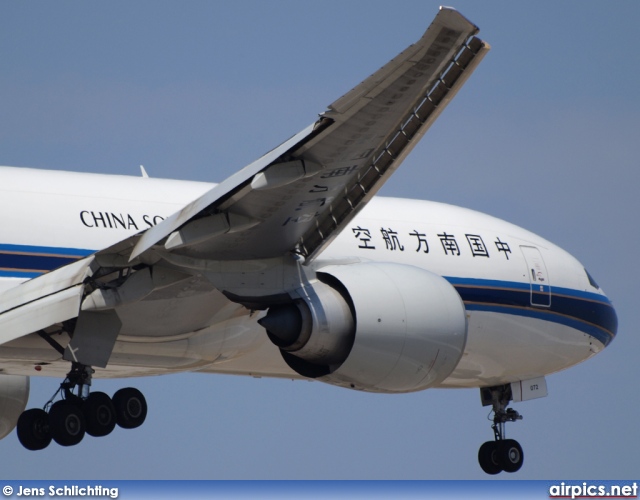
x,y
317,327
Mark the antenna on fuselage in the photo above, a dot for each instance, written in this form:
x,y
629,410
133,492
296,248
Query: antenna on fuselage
x,y
144,172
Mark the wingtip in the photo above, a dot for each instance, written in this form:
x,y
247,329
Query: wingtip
x,y
445,10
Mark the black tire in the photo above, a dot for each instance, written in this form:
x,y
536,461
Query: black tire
x,y
99,414
131,408
67,423
33,429
489,459
510,455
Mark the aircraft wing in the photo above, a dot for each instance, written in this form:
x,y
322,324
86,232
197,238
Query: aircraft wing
x,y
293,200
299,196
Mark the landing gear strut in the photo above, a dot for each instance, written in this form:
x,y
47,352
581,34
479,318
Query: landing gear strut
x,y
501,454
78,412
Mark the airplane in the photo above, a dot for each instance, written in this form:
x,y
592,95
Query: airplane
x,y
290,268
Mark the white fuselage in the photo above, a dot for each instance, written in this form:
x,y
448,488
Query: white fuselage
x,y
531,307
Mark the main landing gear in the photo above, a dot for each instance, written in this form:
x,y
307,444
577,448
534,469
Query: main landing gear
x,y
67,420
501,454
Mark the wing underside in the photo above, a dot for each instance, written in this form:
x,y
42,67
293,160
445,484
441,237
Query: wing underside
x,y
305,195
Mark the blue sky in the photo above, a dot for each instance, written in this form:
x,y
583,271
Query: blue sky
x,y
544,135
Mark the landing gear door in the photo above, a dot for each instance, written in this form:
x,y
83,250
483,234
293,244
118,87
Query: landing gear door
x,y
524,390
538,277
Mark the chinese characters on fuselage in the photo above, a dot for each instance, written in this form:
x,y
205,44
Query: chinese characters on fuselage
x,y
393,241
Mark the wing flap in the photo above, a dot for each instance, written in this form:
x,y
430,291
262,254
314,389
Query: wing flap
x,y
41,314
44,301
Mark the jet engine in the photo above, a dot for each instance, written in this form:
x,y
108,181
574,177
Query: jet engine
x,y
14,394
377,327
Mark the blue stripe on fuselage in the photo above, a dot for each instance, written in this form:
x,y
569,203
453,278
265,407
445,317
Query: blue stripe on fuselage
x,y
27,261
588,312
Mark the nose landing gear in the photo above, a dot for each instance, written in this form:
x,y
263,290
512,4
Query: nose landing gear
x,y
501,454
68,419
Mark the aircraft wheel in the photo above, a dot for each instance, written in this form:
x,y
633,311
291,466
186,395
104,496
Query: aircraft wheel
x,y
33,429
488,457
510,455
67,423
131,408
99,414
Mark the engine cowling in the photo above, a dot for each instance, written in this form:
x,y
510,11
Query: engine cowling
x,y
14,394
377,327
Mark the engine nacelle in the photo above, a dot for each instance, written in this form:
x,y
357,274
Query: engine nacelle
x,y
377,327
14,394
